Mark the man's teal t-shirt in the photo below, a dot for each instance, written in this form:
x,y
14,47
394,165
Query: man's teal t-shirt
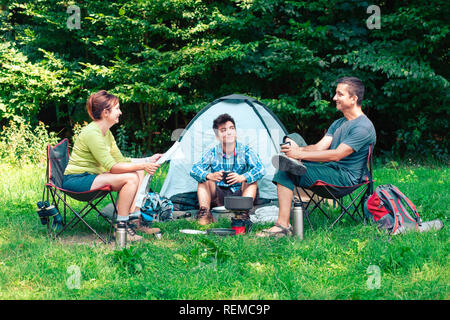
x,y
358,134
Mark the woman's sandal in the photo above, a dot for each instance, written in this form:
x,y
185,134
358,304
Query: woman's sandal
x,y
277,234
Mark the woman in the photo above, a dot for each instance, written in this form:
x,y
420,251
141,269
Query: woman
x,y
97,161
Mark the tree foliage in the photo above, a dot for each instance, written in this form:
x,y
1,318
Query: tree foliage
x,y
166,59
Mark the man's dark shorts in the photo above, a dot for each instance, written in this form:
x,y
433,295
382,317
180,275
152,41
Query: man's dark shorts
x,y
329,172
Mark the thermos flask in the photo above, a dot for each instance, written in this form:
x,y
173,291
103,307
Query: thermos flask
x,y
298,219
121,235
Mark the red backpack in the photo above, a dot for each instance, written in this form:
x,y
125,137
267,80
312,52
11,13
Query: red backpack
x,y
390,209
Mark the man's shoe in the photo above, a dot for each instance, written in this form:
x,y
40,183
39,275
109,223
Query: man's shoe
x,y
277,233
284,163
204,216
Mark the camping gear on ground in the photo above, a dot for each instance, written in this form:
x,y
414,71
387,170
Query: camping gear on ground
x,y
298,219
238,203
121,235
240,206
57,160
192,231
241,226
221,232
425,226
181,214
256,127
45,211
265,214
156,208
214,231
219,210
391,210
185,201
350,199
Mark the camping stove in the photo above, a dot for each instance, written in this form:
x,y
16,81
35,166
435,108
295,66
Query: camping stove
x,y
240,206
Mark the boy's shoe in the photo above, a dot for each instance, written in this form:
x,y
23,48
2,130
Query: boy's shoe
x,y
204,216
284,163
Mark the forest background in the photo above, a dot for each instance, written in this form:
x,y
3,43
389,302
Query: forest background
x,y
167,59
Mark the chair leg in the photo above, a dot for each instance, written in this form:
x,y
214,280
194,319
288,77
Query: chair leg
x,y
49,227
80,218
65,208
340,216
345,209
91,206
113,218
315,205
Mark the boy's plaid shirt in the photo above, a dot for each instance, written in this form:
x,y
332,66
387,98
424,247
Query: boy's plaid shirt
x,y
245,161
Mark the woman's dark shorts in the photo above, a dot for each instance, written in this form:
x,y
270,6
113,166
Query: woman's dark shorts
x,y
78,182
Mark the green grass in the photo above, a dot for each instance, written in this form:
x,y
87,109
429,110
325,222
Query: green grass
x,y
328,264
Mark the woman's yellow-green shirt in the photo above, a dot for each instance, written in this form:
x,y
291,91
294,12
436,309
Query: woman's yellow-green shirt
x,y
94,152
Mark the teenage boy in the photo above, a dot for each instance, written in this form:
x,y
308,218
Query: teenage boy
x,y
228,169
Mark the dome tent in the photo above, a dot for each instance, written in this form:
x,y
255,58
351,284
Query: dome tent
x,y
256,126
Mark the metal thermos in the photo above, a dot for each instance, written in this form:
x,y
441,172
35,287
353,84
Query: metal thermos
x,y
121,235
298,219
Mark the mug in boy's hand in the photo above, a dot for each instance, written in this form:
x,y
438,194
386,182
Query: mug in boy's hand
x,y
224,176
233,178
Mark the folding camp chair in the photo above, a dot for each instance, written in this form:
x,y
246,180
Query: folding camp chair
x,y
319,191
57,160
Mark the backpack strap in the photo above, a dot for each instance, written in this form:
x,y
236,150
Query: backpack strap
x,y
416,217
389,202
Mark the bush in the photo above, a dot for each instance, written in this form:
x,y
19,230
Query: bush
x,y
21,144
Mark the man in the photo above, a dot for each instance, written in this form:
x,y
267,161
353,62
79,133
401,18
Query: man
x,y
338,158
241,165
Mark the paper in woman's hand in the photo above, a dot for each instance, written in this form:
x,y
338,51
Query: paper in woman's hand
x,y
169,153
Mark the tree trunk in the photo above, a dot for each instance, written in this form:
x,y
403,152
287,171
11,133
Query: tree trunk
x,y
142,115
149,127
